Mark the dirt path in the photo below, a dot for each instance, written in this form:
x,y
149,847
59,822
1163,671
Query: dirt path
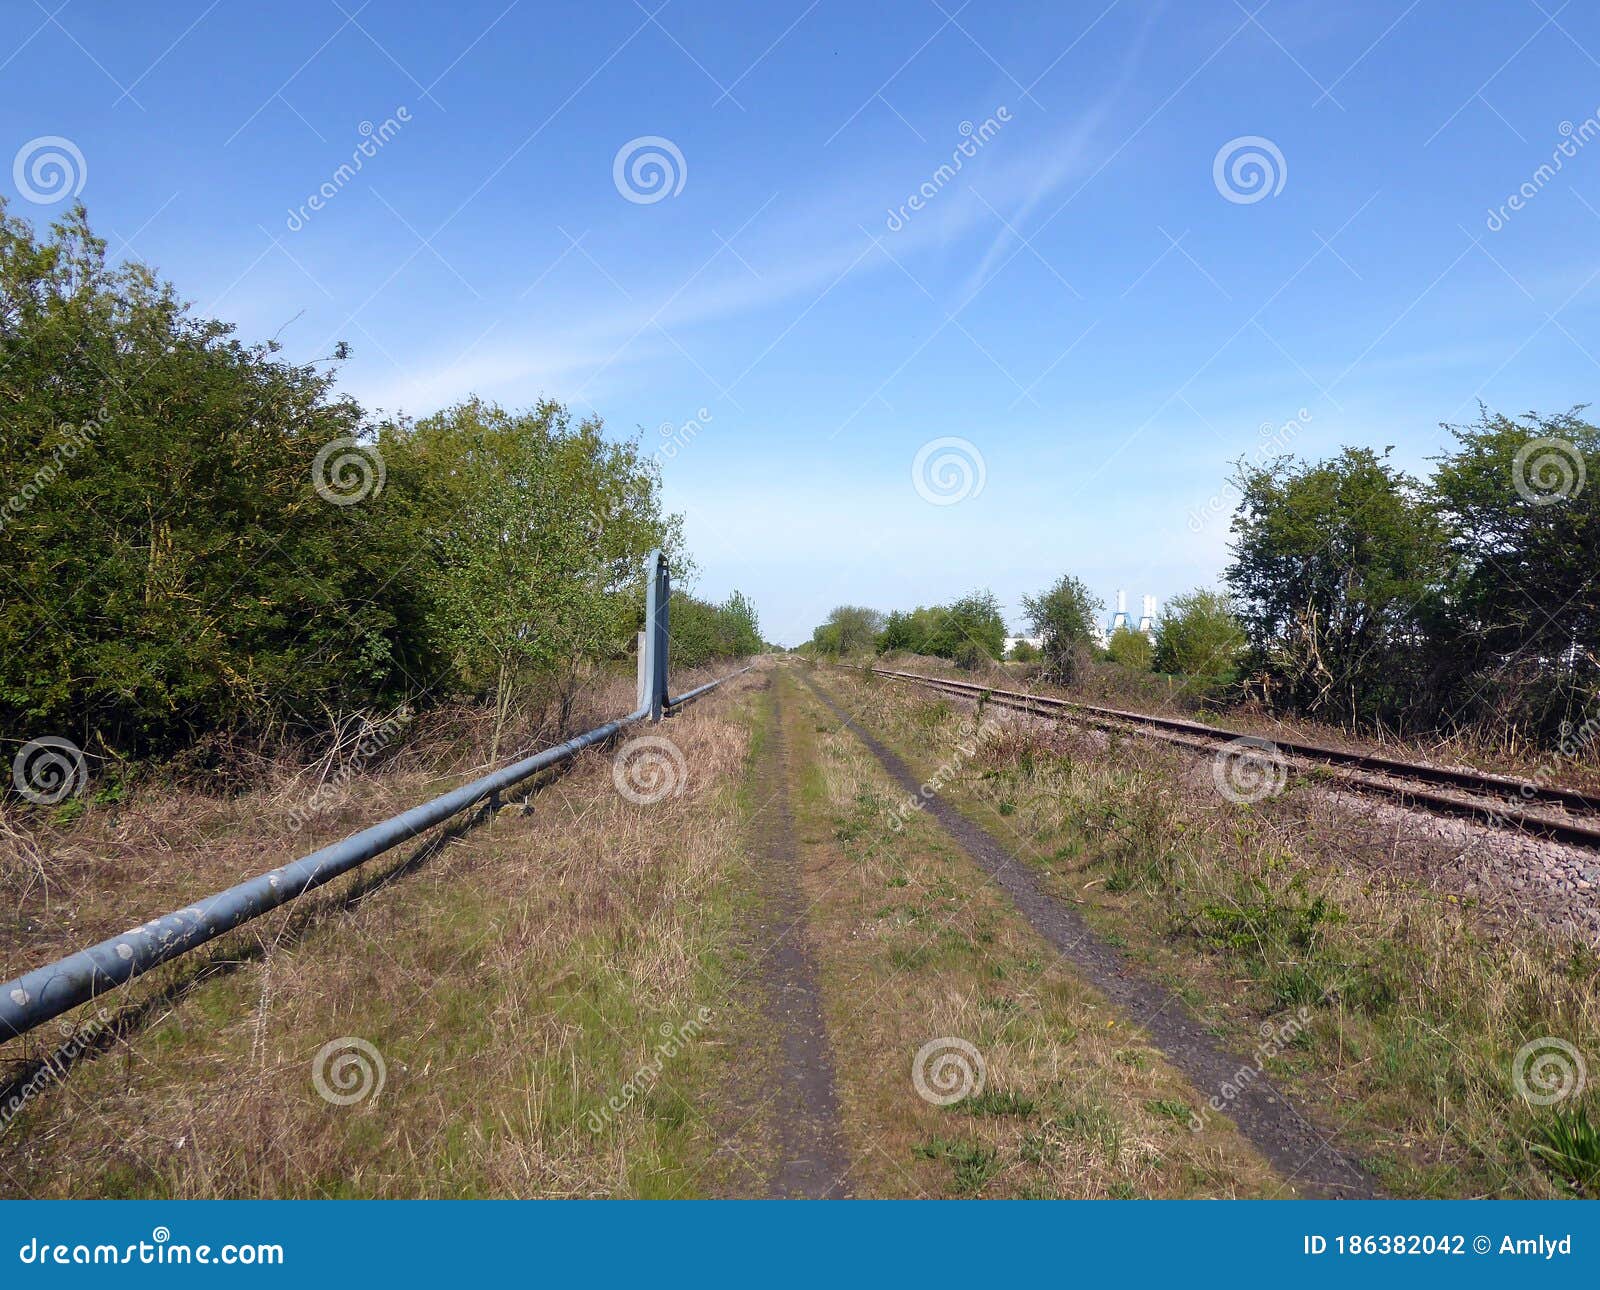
x,y
1306,1157
804,1109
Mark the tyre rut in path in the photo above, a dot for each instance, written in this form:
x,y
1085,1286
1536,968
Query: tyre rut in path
x,y
1269,1120
805,1110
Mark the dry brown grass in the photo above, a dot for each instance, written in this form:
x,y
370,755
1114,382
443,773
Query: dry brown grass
x,y
1420,1000
64,886
513,977
914,944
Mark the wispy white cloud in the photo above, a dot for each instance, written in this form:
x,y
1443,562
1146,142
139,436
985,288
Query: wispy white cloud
x,y
789,254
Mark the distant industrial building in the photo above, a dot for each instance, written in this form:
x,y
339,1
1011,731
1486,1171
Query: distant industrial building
x,y
1146,623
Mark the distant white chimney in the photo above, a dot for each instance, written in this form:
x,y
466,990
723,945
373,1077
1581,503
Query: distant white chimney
x,y
1147,622
1120,619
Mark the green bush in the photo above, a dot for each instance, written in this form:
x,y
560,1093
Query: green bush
x,y
971,627
172,566
1064,615
970,656
703,632
204,538
850,629
1200,639
1469,599
1131,649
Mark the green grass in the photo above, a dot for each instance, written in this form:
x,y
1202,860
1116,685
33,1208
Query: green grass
x,y
1170,1108
1409,1006
971,1163
1569,1144
993,1102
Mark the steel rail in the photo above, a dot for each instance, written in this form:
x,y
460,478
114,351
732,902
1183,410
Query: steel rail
x,y
1351,764
48,991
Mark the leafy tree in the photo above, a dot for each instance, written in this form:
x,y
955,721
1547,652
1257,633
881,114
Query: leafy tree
x,y
970,656
974,620
1519,635
1200,638
171,569
1337,570
1064,615
539,527
198,537
850,629
909,630
702,631
1130,649
1023,652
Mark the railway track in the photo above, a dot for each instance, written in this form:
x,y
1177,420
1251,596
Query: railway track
x,y
1561,814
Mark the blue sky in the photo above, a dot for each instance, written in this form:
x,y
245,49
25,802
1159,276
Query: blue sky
x,y
1096,305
